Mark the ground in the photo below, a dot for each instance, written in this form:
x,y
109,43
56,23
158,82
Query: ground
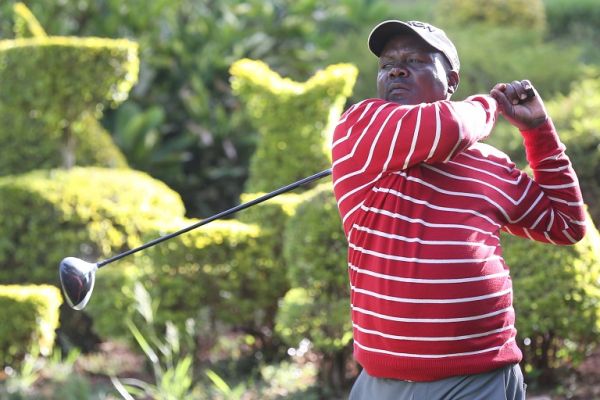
x,y
87,376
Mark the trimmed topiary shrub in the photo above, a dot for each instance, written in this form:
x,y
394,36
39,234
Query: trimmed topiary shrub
x,y
317,308
26,24
294,119
556,298
221,275
51,86
272,217
90,213
29,316
315,246
95,145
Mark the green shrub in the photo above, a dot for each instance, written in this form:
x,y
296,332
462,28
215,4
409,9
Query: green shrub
x,y
556,298
26,25
95,146
29,316
518,53
272,217
114,300
48,85
304,314
315,246
563,15
575,22
294,119
578,123
317,306
221,273
524,14
84,212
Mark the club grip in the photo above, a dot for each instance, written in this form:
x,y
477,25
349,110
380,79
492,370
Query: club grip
x,y
530,95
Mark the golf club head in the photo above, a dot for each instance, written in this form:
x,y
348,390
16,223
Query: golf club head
x,y
77,279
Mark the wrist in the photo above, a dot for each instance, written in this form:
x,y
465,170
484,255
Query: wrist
x,y
535,124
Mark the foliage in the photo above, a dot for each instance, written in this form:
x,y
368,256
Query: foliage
x,y
138,134
316,308
26,25
315,253
557,299
315,245
170,356
504,41
94,144
294,119
575,22
305,315
523,14
272,217
173,381
23,381
115,302
517,54
30,318
40,131
86,212
220,274
577,120
187,47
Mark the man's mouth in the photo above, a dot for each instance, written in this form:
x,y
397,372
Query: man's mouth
x,y
397,88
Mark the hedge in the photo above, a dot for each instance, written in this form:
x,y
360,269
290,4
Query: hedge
x,y
272,217
51,83
221,274
294,119
315,253
29,316
556,298
26,24
90,213
317,307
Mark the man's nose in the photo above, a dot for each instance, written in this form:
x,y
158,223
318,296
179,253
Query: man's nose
x,y
398,71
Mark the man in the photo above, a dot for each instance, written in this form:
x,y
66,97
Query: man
x,y
422,204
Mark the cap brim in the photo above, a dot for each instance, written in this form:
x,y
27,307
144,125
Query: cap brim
x,y
384,31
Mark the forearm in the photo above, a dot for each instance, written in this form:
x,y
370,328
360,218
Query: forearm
x,y
557,213
377,136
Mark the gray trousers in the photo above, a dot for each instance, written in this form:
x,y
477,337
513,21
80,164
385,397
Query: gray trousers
x,y
501,384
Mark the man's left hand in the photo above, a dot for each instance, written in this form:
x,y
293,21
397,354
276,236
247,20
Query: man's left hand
x,y
517,106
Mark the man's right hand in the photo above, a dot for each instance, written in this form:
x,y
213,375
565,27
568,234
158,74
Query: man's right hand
x,y
517,107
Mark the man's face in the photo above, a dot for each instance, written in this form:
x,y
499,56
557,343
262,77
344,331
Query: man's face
x,y
412,72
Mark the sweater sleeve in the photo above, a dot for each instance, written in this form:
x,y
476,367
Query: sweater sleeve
x,y
375,138
551,207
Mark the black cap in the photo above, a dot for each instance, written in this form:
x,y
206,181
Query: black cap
x,y
435,37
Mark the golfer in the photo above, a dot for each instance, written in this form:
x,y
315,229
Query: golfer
x,y
422,202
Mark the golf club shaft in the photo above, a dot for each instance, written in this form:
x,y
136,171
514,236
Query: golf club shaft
x,y
222,214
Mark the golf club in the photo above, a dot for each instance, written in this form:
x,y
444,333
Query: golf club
x,y
77,277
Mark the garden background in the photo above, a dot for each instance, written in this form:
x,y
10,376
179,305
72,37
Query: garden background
x,y
124,120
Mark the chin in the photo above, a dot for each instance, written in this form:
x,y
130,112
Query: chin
x,y
401,100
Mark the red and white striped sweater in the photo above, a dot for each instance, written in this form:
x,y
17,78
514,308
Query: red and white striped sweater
x,y
422,205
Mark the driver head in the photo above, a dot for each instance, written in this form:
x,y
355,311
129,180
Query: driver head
x,y
77,279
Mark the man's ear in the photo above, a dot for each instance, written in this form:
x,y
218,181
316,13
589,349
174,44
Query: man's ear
x,y
453,80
